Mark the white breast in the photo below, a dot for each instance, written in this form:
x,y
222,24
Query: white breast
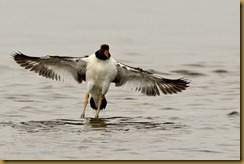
x,y
100,72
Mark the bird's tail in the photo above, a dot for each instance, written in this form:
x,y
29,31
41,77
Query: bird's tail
x,y
93,104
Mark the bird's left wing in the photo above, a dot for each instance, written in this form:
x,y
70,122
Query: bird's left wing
x,y
54,67
147,82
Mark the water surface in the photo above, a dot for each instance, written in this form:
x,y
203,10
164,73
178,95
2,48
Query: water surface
x,y
199,41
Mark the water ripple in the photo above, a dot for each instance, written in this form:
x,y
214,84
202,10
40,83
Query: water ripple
x,y
110,124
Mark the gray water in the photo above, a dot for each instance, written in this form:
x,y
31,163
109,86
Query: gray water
x,y
39,118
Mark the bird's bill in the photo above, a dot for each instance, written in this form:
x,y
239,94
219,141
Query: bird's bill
x,y
106,53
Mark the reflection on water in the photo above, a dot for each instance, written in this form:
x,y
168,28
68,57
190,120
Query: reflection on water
x,y
108,124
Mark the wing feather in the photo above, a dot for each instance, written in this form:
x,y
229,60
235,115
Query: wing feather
x,y
54,67
146,82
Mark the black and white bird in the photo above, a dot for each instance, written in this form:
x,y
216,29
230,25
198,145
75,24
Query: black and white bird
x,y
99,70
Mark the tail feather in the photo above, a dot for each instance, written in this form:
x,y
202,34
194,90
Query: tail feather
x,y
93,104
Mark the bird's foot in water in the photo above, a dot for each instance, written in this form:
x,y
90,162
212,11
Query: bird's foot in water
x,y
82,115
96,115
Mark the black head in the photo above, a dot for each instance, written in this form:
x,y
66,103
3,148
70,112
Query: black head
x,y
103,52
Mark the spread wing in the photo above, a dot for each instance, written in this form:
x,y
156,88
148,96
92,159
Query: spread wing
x,y
147,82
54,67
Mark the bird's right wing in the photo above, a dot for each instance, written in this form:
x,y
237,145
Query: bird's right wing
x,y
54,67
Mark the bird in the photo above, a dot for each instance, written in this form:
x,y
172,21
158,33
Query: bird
x,y
99,70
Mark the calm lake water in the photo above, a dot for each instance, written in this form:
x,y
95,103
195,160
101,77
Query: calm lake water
x,y
197,40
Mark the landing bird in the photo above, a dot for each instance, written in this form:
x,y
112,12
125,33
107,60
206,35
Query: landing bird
x,y
99,70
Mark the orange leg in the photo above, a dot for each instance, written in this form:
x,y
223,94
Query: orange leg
x,y
85,104
99,106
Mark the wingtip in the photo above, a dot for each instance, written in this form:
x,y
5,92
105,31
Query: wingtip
x,y
185,80
15,54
